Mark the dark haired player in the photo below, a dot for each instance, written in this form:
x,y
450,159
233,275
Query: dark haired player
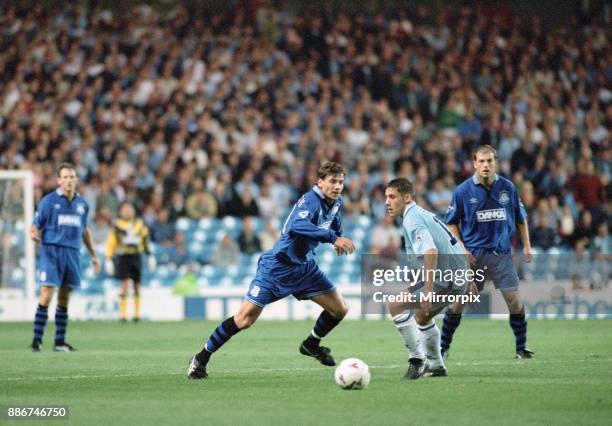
x,y
290,269
429,242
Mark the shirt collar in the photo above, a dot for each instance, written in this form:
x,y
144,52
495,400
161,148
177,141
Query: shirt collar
x,y
59,192
477,182
317,191
408,207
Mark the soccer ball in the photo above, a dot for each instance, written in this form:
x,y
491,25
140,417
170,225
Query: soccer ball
x,y
352,373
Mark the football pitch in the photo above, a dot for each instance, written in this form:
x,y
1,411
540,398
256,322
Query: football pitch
x,y
135,374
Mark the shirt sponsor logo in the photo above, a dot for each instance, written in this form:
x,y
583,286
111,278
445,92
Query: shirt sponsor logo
x,y
504,197
69,220
490,215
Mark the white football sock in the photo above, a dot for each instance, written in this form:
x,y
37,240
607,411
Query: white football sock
x,y
430,336
407,327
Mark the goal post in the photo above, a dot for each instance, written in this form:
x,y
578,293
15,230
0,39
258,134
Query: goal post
x,y
17,256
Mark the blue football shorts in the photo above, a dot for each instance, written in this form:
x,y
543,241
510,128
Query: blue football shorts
x,y
275,280
499,269
58,266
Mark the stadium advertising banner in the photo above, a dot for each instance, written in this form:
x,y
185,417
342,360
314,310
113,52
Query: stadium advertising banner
x,y
541,298
157,304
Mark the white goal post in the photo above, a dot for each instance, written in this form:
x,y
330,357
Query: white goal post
x,y
17,256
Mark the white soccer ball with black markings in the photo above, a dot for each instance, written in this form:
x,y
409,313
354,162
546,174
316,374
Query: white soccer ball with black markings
x,y
352,373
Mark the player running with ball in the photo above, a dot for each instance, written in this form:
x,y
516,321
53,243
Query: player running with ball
x,y
290,269
428,240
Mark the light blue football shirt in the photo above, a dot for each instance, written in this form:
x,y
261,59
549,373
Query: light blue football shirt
x,y
424,231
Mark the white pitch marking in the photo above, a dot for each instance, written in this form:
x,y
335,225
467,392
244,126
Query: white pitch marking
x,y
279,370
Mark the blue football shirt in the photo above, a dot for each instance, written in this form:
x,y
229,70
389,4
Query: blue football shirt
x,y
62,222
487,217
312,221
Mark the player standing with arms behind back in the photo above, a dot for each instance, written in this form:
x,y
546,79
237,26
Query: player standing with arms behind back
x,y
290,269
484,213
127,241
59,225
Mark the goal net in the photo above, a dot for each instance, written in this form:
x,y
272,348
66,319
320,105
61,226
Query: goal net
x,y
17,266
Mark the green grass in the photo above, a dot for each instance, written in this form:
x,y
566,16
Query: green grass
x,y
134,374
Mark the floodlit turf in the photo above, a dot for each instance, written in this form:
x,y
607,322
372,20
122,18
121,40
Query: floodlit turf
x,y
135,374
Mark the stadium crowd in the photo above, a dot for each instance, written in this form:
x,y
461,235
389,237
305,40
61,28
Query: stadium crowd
x,y
198,114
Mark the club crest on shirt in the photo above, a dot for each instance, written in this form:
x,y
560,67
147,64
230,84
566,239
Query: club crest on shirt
x,y
80,209
504,197
255,291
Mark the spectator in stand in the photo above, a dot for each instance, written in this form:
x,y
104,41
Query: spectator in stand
x,y
178,256
150,103
269,236
227,252
543,235
588,189
248,241
162,230
439,197
566,226
602,243
385,239
201,204
584,231
243,204
177,206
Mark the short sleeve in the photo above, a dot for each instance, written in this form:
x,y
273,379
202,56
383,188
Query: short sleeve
x,y
454,214
41,215
520,214
418,235
86,216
